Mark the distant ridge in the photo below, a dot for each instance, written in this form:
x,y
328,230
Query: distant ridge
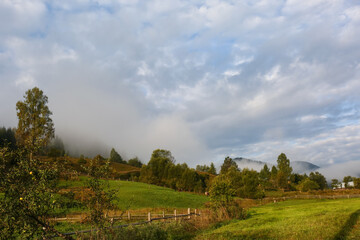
x,y
303,167
298,166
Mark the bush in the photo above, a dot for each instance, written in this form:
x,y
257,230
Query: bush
x,y
307,185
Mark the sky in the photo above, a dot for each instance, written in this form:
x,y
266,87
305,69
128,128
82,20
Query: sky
x,y
203,79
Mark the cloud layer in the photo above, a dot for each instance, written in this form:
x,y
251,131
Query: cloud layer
x,y
204,79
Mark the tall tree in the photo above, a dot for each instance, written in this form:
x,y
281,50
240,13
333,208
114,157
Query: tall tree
x,y
228,162
212,169
115,157
35,127
283,175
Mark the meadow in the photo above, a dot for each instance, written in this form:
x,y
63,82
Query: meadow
x,y
136,195
294,219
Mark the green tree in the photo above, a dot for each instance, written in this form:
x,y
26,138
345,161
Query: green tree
x,y
29,186
156,171
265,175
319,179
115,157
228,162
35,126
100,199
250,184
357,183
347,179
284,171
307,185
135,162
334,183
7,138
212,169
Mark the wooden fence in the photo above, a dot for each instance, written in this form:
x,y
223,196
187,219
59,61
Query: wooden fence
x,y
314,197
132,217
148,218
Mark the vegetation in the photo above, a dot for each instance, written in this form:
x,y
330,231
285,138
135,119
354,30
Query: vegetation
x,y
296,219
35,127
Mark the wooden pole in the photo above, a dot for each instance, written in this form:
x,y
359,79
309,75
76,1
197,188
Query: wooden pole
x,y
129,215
149,216
189,217
175,214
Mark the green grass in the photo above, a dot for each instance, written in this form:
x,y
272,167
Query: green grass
x,y
136,195
141,195
295,219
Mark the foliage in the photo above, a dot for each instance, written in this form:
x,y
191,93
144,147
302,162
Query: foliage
x,y
319,179
99,199
284,171
208,169
7,138
228,163
155,171
115,157
307,185
29,188
265,176
82,160
250,185
161,170
135,162
35,127
335,183
357,183
347,179
221,191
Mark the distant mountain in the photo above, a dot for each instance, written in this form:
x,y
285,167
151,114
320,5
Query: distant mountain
x,y
303,167
298,166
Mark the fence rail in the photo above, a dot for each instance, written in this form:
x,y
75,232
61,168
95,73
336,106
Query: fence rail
x,y
149,218
315,197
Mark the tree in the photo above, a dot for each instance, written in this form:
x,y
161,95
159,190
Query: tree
x,y
319,179
347,179
7,137
265,175
307,185
334,183
212,169
135,162
156,170
35,127
228,162
357,183
284,171
115,157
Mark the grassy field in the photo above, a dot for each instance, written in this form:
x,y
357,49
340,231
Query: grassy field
x,y
135,195
295,219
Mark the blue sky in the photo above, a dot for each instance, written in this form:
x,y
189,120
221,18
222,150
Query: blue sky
x,y
203,79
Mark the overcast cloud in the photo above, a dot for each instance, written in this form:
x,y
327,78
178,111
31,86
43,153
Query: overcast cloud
x,y
203,79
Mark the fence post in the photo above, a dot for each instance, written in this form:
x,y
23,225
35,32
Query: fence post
x,y
195,212
189,217
149,216
129,215
175,214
